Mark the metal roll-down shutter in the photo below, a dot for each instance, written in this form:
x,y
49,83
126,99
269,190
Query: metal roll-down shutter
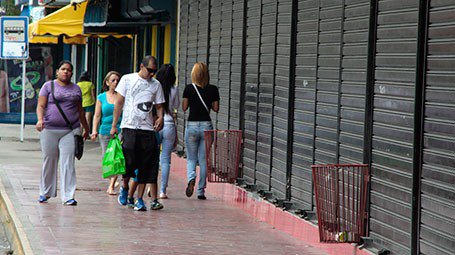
x,y
437,216
392,152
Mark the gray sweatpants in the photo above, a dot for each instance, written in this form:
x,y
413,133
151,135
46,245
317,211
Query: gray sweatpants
x,y
58,145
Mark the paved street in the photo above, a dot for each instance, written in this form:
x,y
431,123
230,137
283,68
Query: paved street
x,y
98,225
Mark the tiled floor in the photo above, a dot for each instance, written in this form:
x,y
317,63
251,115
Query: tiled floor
x,y
98,225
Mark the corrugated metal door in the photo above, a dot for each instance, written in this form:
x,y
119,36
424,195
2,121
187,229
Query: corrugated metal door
x,y
353,78
225,65
214,55
304,112
236,64
221,22
253,31
202,25
265,95
438,172
331,68
225,59
392,144
281,100
328,81
183,64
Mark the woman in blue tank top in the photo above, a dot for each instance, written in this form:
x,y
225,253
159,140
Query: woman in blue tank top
x,y
102,121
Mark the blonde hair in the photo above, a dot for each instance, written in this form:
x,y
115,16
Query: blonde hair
x,y
108,75
200,74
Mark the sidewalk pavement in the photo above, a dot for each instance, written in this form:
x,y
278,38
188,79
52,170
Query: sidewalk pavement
x,y
98,225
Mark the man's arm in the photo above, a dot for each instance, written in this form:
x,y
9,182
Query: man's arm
x,y
158,125
118,107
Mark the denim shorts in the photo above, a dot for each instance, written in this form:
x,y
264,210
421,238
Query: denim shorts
x,y
90,108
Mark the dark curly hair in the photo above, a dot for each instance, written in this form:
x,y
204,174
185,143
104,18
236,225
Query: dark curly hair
x,y
65,62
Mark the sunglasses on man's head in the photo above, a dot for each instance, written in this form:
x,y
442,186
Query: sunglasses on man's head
x,y
150,70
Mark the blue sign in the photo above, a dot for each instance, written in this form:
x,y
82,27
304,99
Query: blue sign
x,y
14,37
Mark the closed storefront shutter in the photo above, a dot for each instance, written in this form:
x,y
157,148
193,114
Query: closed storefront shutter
x,y
202,25
192,51
332,43
281,100
392,152
438,172
265,95
224,72
183,76
221,39
328,75
214,54
305,91
225,60
236,64
251,88
353,78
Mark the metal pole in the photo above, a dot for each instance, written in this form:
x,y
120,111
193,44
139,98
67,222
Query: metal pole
x,y
419,119
23,101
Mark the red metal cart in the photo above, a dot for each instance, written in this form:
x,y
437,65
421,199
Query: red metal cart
x,y
222,148
341,196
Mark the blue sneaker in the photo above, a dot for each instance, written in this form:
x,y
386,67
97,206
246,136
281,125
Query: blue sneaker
x,y
43,199
139,205
70,202
122,197
130,202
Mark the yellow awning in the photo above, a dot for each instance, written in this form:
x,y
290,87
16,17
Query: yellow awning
x,y
67,21
54,40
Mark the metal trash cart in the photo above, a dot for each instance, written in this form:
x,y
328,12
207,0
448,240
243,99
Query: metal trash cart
x,y
222,148
341,195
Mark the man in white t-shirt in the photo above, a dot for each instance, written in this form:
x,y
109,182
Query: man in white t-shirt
x,y
137,94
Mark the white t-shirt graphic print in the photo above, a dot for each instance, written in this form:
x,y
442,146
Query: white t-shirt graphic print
x,y
140,95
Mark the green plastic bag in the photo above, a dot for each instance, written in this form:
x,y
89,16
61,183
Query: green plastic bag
x,y
113,161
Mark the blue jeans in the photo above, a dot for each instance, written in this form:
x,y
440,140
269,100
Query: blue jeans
x,y
195,151
167,135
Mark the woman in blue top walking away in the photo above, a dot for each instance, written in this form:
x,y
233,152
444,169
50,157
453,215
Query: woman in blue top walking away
x,y
104,110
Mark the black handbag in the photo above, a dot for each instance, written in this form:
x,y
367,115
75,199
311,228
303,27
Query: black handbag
x,y
78,139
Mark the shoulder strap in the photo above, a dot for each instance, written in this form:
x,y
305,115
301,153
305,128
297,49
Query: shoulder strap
x,y
197,91
59,108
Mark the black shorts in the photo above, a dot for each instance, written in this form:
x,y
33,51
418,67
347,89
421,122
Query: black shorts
x,y
141,152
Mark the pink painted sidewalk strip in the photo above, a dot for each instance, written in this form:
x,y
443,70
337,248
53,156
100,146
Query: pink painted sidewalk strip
x,y
267,212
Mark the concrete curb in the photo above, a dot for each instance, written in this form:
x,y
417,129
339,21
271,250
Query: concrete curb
x,y
14,229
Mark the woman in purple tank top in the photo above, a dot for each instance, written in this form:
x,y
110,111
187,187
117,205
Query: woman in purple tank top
x,y
57,136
